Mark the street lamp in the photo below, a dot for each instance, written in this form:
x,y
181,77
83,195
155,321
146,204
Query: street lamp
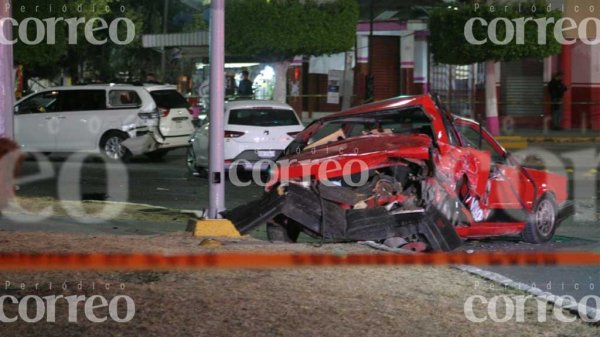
x,y
217,97
7,92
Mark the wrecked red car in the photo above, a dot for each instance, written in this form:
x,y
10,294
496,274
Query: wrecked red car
x,y
405,173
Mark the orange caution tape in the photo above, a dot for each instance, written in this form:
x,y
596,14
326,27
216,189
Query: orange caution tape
x,y
284,260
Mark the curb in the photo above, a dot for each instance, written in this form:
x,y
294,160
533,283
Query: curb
x,y
222,228
547,139
586,313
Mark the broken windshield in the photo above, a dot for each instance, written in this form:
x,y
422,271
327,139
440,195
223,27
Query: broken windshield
x,y
406,121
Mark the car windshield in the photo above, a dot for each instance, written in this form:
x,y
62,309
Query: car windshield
x,y
263,117
405,121
169,99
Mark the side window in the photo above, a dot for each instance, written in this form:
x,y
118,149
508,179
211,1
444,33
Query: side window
x,y
124,99
471,138
82,100
325,131
40,103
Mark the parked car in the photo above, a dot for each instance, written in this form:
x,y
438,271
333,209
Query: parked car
x,y
254,131
100,118
406,173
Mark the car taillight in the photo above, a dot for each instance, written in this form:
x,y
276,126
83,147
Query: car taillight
x,y
163,112
147,115
293,134
233,134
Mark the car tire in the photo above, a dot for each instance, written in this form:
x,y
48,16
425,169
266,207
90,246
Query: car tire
x,y
190,161
157,156
111,146
280,233
542,223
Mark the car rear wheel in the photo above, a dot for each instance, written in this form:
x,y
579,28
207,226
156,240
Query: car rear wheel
x,y
542,223
112,147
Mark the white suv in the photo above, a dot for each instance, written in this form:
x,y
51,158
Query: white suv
x,y
104,118
254,131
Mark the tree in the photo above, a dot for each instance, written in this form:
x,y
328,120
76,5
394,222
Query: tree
x,y
45,59
449,43
277,30
105,61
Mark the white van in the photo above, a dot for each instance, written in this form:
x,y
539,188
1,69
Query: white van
x,y
99,118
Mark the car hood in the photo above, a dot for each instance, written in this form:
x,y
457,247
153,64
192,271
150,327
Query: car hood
x,y
352,156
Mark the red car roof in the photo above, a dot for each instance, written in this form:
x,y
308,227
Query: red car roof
x,y
392,103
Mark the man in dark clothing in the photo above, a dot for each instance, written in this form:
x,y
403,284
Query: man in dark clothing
x,y
245,87
556,89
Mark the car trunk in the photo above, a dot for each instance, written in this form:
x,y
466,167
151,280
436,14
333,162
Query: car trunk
x,y
175,117
263,129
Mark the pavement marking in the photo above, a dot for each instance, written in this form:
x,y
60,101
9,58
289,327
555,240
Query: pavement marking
x,y
562,302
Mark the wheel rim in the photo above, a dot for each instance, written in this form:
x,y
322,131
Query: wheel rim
x,y
545,217
191,160
114,148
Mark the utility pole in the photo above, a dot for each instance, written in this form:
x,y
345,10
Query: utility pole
x,y
163,58
216,155
370,80
7,80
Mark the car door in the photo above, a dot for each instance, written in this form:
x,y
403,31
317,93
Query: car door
x,y
81,116
37,123
200,145
506,186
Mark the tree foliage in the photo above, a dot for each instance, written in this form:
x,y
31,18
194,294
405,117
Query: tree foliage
x,y
450,46
105,61
278,30
45,59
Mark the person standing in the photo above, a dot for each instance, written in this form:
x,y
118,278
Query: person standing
x,y
229,85
245,86
556,89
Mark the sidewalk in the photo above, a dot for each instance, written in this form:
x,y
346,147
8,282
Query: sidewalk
x,y
60,224
552,136
522,138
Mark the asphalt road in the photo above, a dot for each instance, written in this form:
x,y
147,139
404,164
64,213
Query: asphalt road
x,y
168,184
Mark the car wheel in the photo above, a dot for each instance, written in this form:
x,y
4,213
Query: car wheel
x,y
157,155
190,160
112,147
280,233
542,223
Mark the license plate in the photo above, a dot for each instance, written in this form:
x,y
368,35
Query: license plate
x,y
266,154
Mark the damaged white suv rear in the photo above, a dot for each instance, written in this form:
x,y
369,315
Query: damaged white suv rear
x,y
117,120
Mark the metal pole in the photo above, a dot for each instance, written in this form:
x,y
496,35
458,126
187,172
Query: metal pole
x,y
347,82
217,98
370,81
163,57
7,80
